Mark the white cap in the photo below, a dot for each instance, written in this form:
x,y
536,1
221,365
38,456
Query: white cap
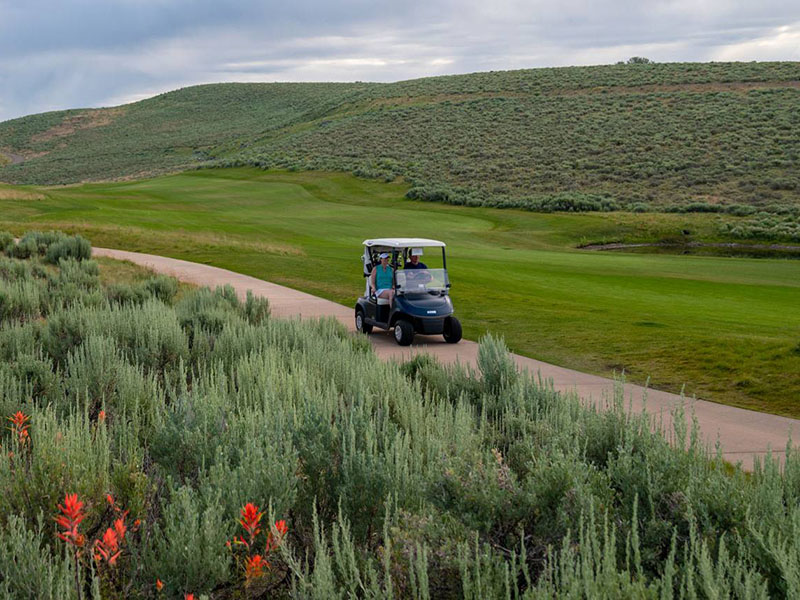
x,y
416,252
384,255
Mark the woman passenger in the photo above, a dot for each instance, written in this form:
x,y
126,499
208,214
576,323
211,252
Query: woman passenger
x,y
382,279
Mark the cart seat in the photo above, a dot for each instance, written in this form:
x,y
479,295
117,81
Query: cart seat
x,y
383,301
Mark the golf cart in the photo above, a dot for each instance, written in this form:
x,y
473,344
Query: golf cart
x,y
421,302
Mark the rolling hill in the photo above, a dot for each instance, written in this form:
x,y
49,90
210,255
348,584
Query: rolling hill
x,y
681,136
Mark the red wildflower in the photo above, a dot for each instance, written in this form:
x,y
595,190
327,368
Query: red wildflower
x,y
281,527
250,521
19,426
101,416
274,540
110,500
188,597
69,519
108,548
159,585
254,566
120,529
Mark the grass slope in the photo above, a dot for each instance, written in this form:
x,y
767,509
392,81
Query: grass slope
x,y
728,328
648,135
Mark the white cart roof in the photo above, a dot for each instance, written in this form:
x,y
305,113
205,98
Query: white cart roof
x,y
403,243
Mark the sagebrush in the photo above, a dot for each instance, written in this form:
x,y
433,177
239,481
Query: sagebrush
x,y
199,446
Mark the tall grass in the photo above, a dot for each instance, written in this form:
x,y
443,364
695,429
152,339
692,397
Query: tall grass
x,y
396,481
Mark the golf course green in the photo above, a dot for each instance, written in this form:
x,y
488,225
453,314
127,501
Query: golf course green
x,y
728,329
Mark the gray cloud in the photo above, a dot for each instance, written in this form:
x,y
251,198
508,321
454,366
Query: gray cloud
x,y
79,53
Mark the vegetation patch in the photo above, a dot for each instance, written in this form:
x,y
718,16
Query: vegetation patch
x,y
164,446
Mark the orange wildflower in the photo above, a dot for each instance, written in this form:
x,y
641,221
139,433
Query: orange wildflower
x,y
120,529
19,426
101,416
254,566
274,540
71,516
159,585
188,597
108,548
250,522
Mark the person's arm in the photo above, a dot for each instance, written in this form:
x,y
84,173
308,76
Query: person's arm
x,y
372,279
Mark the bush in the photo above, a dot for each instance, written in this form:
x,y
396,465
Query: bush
x,y
162,288
6,240
49,576
188,549
72,247
25,248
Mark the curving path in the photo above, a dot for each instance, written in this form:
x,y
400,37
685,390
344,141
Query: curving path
x,y
741,433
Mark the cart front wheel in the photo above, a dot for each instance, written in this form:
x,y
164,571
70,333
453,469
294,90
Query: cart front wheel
x,y
404,332
361,323
452,330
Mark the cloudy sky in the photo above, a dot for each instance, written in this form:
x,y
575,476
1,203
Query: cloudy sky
x,y
85,53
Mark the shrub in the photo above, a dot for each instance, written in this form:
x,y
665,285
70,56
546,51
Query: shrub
x,y
72,247
49,576
125,293
25,248
162,288
6,240
188,550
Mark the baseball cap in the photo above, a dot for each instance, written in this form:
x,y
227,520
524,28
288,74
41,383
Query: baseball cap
x,y
383,255
416,252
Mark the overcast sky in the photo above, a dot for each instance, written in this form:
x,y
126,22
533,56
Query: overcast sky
x,y
86,53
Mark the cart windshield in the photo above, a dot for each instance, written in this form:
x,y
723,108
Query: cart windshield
x,y
410,281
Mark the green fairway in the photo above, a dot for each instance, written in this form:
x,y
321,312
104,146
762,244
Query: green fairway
x,y
729,329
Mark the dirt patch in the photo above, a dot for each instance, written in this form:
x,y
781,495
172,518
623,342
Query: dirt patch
x,y
14,194
9,158
181,239
89,119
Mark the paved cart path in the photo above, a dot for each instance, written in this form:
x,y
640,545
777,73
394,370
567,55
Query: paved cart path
x,y
741,433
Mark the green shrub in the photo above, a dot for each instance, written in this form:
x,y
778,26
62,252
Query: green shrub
x,y
162,288
6,239
28,567
125,293
188,550
25,248
256,308
21,301
72,247
43,239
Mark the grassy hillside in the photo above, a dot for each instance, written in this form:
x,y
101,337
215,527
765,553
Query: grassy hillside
x,y
728,328
157,446
641,136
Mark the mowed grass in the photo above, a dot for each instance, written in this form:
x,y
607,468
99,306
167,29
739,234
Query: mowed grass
x,y
728,329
